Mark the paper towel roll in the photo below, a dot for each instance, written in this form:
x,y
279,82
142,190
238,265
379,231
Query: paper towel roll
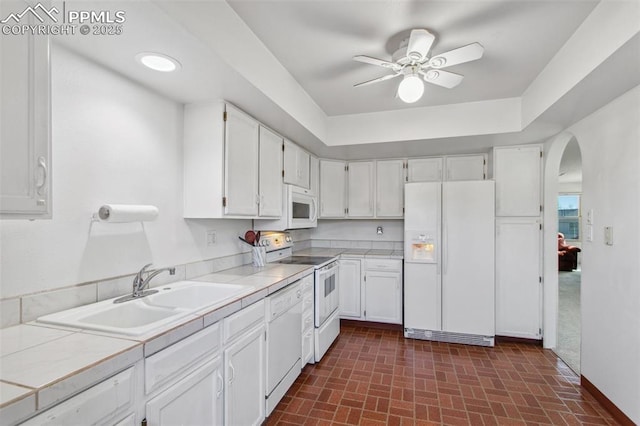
x,y
118,213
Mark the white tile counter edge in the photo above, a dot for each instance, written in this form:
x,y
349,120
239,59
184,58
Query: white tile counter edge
x,y
21,406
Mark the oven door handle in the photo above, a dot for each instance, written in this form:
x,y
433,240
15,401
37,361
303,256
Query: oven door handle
x,y
327,270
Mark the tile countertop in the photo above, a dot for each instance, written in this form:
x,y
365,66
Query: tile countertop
x,y
41,365
351,252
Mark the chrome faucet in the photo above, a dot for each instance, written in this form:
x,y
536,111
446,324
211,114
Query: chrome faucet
x,y
140,283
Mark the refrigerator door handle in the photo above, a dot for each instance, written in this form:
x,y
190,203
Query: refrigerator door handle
x,y
445,246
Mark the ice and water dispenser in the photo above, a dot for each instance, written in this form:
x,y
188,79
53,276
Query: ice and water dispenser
x,y
420,247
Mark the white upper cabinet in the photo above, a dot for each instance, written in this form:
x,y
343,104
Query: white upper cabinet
x,y
270,173
241,164
296,165
517,171
232,164
332,189
424,169
361,179
466,167
390,180
314,175
25,124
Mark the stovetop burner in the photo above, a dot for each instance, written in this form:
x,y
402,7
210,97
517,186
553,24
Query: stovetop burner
x,y
305,260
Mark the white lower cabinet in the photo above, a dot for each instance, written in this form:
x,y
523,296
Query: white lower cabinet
x,y
371,290
195,400
213,377
308,348
109,402
245,366
519,277
350,288
184,382
382,292
244,362
383,297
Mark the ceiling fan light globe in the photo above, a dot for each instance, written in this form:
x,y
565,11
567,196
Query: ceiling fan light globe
x,y
410,89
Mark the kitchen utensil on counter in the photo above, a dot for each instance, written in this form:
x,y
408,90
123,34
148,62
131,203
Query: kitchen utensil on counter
x,y
250,237
247,242
257,241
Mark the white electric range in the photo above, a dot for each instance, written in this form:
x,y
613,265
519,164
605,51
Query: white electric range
x,y
279,247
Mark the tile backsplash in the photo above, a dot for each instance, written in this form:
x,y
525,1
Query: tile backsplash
x,y
29,307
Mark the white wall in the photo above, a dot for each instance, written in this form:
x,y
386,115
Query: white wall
x,y
113,142
569,187
610,290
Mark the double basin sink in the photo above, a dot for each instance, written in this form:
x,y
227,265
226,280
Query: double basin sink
x,y
146,314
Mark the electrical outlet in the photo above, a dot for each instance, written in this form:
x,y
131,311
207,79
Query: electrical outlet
x,y
211,237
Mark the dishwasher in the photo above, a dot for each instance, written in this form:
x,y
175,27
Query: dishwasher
x,y
284,342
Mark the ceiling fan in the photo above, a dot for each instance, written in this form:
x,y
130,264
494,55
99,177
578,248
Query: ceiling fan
x,y
412,61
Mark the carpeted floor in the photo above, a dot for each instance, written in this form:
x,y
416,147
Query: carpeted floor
x,y
568,348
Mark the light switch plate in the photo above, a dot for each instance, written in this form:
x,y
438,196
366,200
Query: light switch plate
x,y
211,238
589,232
608,235
590,217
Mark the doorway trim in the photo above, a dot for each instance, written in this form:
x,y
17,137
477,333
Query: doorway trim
x,y
554,149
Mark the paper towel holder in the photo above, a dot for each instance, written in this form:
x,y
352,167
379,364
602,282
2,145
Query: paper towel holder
x,y
125,213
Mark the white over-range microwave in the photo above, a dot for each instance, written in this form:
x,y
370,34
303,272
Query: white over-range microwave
x,y
299,210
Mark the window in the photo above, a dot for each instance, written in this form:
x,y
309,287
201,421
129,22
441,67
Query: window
x,y
569,216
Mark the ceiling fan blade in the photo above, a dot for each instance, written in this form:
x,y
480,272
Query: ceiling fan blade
x,y
376,61
420,42
375,80
467,53
442,78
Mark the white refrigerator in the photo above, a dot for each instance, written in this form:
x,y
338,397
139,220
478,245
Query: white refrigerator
x,y
449,279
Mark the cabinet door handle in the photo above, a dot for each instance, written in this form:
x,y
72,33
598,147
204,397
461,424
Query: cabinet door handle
x,y
41,179
232,373
220,386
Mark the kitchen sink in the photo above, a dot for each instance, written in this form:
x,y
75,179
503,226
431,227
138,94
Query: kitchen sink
x,y
130,315
130,318
150,313
194,295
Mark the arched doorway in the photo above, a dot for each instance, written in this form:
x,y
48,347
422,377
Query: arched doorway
x,y
570,239
554,152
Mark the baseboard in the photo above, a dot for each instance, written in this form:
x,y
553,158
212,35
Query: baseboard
x,y
371,324
510,339
617,414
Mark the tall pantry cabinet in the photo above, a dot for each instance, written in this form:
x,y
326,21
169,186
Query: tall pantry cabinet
x,y
518,177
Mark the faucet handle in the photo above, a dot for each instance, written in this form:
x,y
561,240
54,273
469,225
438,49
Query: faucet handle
x,y
145,267
138,278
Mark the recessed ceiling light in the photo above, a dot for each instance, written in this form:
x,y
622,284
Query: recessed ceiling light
x,y
158,61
